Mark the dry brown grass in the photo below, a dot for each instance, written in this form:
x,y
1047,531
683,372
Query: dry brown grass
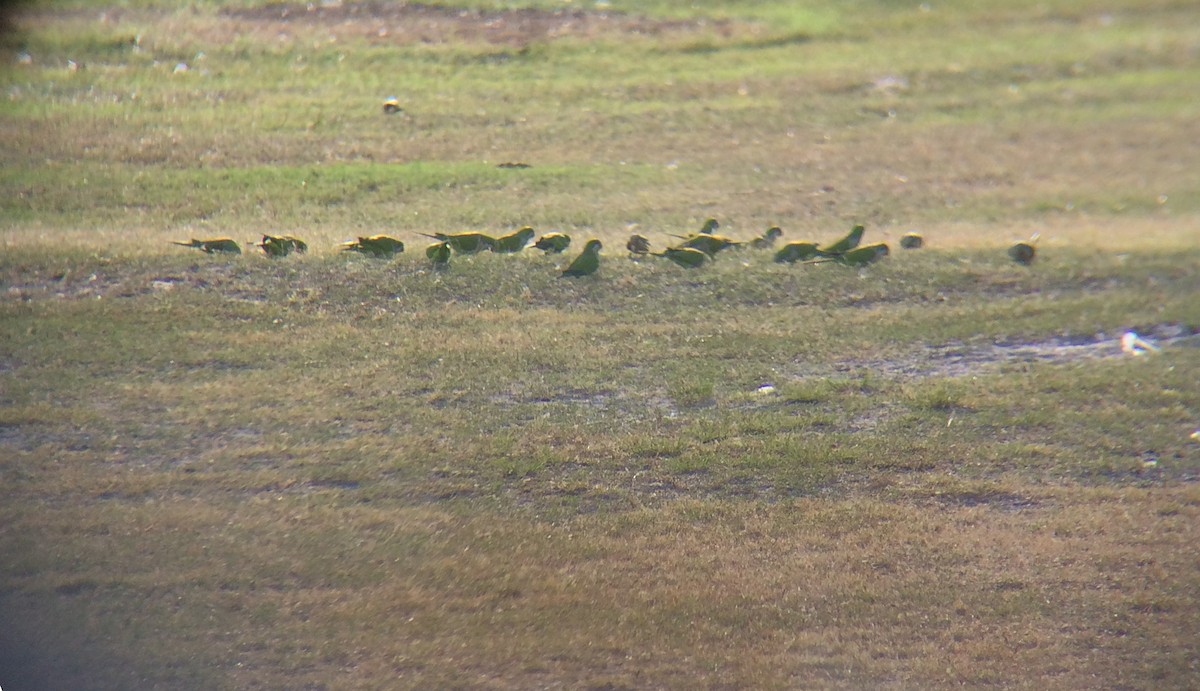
x,y
1074,588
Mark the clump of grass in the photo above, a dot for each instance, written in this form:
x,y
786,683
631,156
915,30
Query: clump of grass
x,y
941,396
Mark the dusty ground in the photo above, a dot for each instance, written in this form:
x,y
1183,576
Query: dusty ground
x,y
418,23
409,23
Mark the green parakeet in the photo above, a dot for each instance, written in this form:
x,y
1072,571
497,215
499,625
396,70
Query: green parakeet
x,y
767,239
553,243
282,245
708,243
439,254
211,246
380,246
1023,253
858,257
845,244
465,243
688,257
796,252
513,242
587,262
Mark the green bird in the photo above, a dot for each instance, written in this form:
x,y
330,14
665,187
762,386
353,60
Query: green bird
x,y
587,262
439,254
708,243
859,257
687,257
912,241
282,245
796,252
212,246
638,244
1024,252
299,246
553,243
513,242
767,240
274,246
709,226
465,243
845,244
379,246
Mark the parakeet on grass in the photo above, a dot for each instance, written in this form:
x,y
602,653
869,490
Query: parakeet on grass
x,y
587,262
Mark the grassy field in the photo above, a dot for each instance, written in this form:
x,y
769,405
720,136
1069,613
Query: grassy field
x,y
328,471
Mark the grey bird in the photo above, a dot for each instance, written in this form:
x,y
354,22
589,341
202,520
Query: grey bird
x,y
638,244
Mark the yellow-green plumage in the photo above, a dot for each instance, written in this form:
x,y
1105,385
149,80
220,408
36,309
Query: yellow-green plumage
x,y
439,254
912,241
858,257
587,262
282,245
709,226
466,243
1022,253
708,243
553,243
845,244
867,254
688,257
379,246
796,252
212,246
513,242
767,239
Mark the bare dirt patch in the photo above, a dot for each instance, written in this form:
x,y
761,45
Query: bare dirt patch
x,y
958,360
419,23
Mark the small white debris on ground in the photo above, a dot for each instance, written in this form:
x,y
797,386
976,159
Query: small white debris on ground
x,y
765,389
1135,345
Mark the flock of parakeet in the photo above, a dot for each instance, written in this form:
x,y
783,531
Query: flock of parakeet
x,y
692,250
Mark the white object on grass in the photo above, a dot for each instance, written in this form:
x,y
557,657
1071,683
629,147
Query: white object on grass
x,y
1136,345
